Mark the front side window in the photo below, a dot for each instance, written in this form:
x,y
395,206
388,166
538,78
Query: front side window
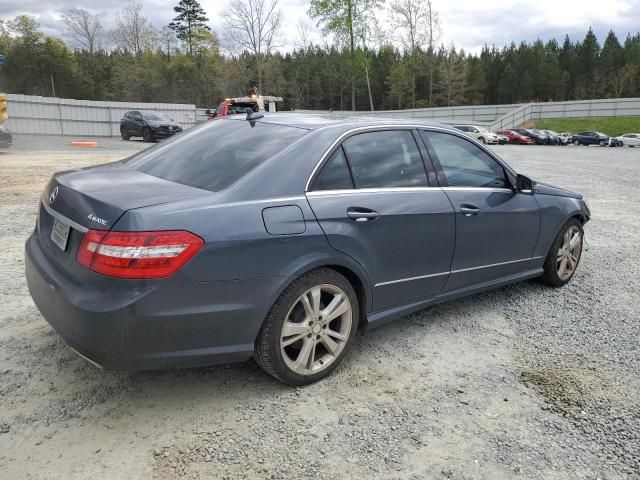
x,y
335,174
385,159
465,164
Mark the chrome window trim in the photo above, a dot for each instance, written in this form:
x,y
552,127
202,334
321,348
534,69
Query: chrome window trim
x,y
403,126
63,219
356,191
409,279
478,189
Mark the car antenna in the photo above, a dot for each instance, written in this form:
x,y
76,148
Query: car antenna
x,y
251,115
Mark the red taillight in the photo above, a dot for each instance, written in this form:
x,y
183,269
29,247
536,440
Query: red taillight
x,y
137,254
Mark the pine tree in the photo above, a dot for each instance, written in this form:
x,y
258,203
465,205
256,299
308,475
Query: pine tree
x,y
190,22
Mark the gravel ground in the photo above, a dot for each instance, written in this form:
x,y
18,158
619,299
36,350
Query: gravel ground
x,y
521,382
55,144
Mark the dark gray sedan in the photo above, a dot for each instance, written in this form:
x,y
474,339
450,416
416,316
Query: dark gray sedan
x,y
278,237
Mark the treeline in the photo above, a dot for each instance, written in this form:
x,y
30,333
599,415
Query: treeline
x,y
160,69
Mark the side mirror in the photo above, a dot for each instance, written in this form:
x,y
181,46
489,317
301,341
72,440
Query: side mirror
x,y
525,185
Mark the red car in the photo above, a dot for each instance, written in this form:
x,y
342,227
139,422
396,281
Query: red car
x,y
515,137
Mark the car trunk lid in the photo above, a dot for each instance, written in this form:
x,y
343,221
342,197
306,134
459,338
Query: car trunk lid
x,y
94,199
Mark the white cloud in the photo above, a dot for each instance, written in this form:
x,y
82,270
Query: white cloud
x,y
467,23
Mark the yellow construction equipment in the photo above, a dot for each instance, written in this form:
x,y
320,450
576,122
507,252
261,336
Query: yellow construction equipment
x,y
3,108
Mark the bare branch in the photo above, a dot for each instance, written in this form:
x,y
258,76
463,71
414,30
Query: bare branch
x,y
83,28
253,26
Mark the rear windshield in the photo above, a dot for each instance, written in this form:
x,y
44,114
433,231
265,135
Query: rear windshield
x,y
216,154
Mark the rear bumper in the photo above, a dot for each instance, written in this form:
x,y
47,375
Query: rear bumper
x,y
139,325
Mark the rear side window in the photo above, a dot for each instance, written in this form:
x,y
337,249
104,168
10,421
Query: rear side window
x,y
216,154
464,163
385,159
335,174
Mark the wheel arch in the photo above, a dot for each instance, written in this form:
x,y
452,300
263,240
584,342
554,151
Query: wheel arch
x,y
364,299
347,267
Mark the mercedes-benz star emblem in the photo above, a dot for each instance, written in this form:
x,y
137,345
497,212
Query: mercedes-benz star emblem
x,y
53,195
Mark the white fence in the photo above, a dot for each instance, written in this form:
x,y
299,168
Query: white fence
x,y
615,107
482,114
61,116
57,116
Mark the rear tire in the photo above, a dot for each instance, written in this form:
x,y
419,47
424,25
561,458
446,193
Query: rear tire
x,y
300,341
482,140
576,142
564,255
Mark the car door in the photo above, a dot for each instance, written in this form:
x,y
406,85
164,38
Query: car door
x,y
136,124
631,140
374,201
496,228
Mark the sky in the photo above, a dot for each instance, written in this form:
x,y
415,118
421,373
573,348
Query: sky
x,y
469,24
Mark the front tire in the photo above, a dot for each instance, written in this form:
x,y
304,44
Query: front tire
x,y
309,329
564,255
123,133
146,135
576,142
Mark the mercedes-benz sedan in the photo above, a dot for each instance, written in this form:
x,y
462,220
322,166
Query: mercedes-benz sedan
x,y
280,236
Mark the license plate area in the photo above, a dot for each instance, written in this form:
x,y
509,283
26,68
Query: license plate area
x,y
60,234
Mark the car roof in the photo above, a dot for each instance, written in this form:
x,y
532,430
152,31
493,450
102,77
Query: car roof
x,y
311,121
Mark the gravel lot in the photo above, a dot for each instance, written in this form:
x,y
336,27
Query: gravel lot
x,y
522,382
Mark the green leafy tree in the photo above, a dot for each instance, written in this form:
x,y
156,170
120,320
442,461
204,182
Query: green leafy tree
x,y
189,23
346,19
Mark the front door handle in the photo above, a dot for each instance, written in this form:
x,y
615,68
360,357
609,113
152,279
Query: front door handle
x,y
362,214
469,210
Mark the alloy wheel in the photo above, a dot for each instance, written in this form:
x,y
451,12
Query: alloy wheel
x,y
569,253
316,329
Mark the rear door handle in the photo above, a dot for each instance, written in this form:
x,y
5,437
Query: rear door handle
x,y
361,214
469,210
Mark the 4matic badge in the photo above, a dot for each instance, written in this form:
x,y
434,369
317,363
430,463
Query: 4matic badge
x,y
99,220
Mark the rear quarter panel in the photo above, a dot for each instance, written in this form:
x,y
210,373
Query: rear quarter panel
x,y
238,245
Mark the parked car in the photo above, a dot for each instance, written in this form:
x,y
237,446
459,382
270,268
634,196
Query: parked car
x,y
590,138
502,139
6,140
629,139
556,138
479,133
538,138
209,251
151,126
515,137
566,137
